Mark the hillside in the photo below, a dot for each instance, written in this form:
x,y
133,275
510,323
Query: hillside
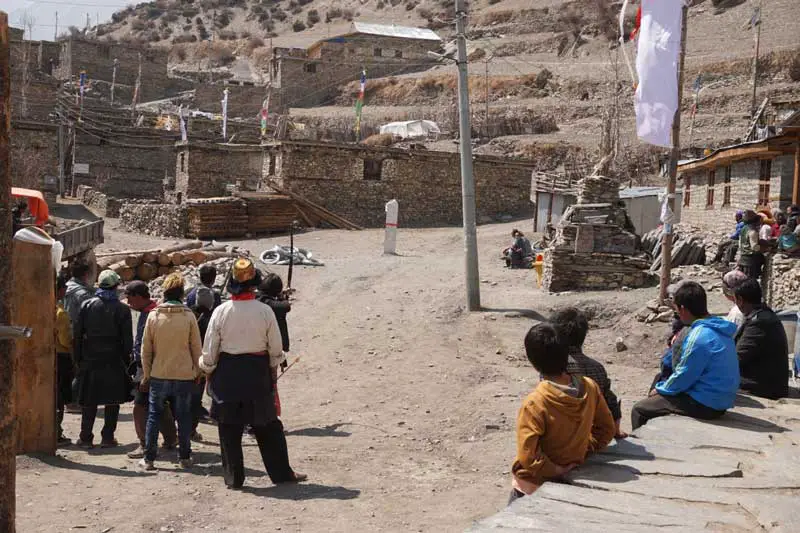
x,y
554,62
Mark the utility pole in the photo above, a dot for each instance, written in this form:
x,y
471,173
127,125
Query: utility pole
x,y
61,149
755,22
674,156
7,356
55,31
467,179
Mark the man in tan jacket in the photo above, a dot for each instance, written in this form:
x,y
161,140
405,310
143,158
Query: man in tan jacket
x,y
171,349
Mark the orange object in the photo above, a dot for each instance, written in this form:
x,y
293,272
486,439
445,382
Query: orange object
x,y
36,204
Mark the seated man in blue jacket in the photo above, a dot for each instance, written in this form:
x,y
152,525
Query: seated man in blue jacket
x,y
705,376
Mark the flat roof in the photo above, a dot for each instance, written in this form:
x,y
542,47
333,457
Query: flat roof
x,y
393,30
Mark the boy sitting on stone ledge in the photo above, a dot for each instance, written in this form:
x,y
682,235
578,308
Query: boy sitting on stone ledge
x,y
572,326
563,420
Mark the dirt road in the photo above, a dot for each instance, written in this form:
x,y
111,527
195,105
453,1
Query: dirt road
x,y
401,410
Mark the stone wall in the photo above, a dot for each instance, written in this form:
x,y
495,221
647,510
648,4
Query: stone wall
x,y
103,205
34,153
312,78
744,187
781,282
124,167
243,100
356,182
40,56
203,170
567,271
97,59
164,220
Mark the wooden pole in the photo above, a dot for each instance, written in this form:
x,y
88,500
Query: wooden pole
x,y
757,27
796,187
7,357
666,243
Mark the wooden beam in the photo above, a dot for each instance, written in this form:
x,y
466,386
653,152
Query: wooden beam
x,y
7,355
759,151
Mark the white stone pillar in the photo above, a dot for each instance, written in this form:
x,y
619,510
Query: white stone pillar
x,y
390,238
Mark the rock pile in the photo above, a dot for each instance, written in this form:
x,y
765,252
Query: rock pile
x,y
164,220
686,249
782,282
597,190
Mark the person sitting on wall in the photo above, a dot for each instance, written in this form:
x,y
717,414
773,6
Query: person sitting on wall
x,y
520,253
726,251
761,345
705,376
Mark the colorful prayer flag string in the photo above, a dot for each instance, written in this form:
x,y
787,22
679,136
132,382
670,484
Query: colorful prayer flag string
x,y
360,103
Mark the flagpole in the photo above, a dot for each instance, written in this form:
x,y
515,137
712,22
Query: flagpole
x,y
674,156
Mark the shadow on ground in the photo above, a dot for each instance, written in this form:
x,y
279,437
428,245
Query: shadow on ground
x,y
304,491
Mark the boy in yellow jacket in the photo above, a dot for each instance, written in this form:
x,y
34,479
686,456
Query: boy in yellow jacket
x,y
563,420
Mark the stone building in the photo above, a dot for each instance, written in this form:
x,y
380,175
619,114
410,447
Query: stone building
x,y
744,176
244,99
34,153
311,77
355,181
131,163
97,59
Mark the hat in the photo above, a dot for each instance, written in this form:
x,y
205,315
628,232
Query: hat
x,y
108,279
732,280
137,288
173,281
204,298
244,275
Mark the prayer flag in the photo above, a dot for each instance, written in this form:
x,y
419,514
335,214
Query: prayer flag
x,y
184,134
360,103
225,114
656,98
264,116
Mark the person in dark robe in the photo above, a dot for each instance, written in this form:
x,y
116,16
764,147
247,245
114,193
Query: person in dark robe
x,y
761,345
241,355
102,344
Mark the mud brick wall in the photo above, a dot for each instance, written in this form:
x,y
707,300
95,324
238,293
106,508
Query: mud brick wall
x,y
744,186
356,182
164,220
135,169
34,153
781,282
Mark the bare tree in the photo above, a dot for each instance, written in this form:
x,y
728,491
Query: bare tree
x,y
28,21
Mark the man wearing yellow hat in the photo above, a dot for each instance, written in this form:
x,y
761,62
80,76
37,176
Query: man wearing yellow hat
x,y
242,352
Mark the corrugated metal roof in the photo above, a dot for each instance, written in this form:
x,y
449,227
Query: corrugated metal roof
x,y
403,32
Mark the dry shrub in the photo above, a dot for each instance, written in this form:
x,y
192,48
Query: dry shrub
x,y
226,35
216,53
794,69
179,52
497,17
253,43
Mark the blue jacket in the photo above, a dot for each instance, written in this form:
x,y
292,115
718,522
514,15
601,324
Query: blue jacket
x,y
708,368
735,235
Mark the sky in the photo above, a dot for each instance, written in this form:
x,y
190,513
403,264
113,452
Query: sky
x,y
74,13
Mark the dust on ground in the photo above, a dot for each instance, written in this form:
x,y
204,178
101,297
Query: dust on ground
x,y
402,409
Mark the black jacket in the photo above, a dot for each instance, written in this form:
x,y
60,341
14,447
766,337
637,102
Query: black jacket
x,y
763,355
103,340
281,308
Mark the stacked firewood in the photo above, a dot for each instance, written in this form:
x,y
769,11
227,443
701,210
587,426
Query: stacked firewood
x,y
211,218
268,213
147,265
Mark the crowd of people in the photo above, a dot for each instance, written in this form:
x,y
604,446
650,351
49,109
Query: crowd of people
x,y
231,350
761,232
573,412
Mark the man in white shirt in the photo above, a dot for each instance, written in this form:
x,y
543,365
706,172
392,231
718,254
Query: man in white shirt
x,y
730,282
242,352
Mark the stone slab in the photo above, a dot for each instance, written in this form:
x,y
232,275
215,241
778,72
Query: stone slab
x,y
775,513
696,434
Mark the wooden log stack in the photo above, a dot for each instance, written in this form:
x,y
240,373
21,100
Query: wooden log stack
x,y
211,218
147,265
269,213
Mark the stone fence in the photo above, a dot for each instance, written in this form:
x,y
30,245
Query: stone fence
x,y
164,220
781,282
106,206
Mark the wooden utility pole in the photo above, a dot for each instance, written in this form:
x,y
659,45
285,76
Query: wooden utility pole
x,y
7,357
674,156
755,22
486,81
55,31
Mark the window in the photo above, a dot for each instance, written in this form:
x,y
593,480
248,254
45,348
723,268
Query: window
x,y
183,162
687,191
398,54
726,191
377,52
712,178
271,171
311,68
373,169
763,182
